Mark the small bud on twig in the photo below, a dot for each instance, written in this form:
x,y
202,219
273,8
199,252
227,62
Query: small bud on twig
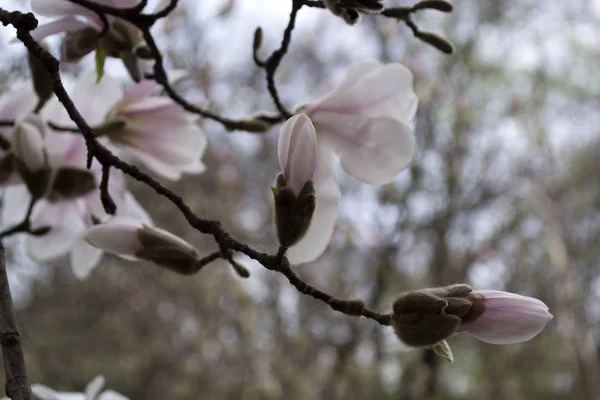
x,y
436,41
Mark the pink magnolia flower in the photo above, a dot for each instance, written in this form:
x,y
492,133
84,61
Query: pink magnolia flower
x,y
93,391
153,129
70,207
508,318
365,121
297,150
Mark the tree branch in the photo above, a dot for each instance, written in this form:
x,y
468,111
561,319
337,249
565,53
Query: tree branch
x,y
16,387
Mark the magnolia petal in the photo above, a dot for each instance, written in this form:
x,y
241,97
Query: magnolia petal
x,y
42,392
358,71
117,236
67,24
14,204
373,92
111,395
374,150
66,225
16,105
140,91
93,388
84,258
297,149
61,8
133,209
105,93
328,196
509,318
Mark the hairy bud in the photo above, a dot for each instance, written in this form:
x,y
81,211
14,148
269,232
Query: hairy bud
x,y
79,44
71,183
440,5
42,84
293,214
436,41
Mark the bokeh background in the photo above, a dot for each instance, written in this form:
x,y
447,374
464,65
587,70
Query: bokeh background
x,y
503,193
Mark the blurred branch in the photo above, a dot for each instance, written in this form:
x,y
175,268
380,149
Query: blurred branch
x,y
16,387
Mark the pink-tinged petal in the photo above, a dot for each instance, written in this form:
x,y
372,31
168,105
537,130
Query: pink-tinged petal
x,y
297,149
42,392
149,105
93,100
67,24
14,204
15,105
139,92
509,318
28,144
118,236
63,8
374,92
168,147
358,71
328,196
84,258
374,150
66,226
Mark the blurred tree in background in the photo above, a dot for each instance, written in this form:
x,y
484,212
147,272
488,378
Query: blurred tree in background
x,y
503,193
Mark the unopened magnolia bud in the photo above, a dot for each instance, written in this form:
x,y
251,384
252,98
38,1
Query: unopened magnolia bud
x,y
436,41
118,39
258,36
78,44
167,250
42,84
71,183
440,5
30,157
293,215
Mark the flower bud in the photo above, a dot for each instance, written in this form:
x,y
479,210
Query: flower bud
x,y
79,44
42,84
293,215
129,238
30,157
440,5
436,41
427,316
295,195
71,183
257,40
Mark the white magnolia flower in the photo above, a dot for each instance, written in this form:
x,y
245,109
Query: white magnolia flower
x,y
93,391
508,318
71,206
153,129
365,121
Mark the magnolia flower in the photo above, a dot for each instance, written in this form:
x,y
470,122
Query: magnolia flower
x,y
92,392
153,129
508,318
84,25
365,121
71,205
307,196
428,316
133,240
